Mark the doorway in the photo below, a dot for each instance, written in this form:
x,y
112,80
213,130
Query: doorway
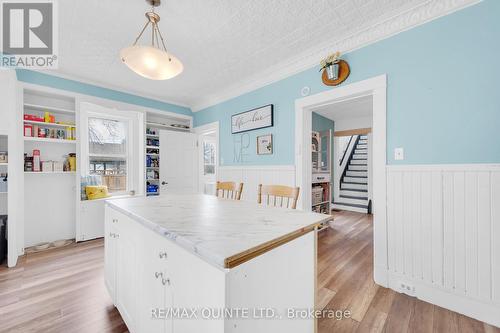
x,y
304,107
351,162
208,157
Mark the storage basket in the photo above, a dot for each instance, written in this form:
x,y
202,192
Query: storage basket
x,y
317,195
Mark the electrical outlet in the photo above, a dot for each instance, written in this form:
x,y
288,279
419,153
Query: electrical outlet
x,y
407,288
399,154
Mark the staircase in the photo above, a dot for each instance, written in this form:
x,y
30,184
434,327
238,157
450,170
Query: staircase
x,y
353,194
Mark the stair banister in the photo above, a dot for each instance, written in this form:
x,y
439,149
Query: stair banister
x,y
343,165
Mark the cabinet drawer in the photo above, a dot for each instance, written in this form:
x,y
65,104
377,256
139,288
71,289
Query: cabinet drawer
x,y
111,217
320,178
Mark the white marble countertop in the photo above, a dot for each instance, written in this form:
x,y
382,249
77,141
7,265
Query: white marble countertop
x,y
215,229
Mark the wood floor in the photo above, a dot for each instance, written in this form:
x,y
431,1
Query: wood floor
x,y
63,290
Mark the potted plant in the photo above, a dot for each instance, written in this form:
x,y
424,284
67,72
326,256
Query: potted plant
x,y
331,65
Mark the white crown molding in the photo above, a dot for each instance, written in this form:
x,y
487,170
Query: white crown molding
x,y
409,19
108,86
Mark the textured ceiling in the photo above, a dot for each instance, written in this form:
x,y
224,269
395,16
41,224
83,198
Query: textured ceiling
x,y
222,43
354,108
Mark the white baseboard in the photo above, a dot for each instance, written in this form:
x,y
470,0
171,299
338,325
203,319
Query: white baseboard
x,y
468,306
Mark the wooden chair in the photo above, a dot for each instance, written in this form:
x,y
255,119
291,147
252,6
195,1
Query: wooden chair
x,y
279,195
229,190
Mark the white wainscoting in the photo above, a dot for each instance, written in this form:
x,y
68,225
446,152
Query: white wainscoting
x,y
443,232
254,175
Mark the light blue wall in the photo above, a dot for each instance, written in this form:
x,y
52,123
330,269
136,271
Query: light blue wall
x,y
92,90
443,93
320,123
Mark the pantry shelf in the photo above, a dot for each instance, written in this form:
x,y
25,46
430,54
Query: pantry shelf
x,y
50,172
4,163
44,108
32,138
43,123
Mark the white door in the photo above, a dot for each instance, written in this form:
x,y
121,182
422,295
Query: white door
x,y
208,163
178,162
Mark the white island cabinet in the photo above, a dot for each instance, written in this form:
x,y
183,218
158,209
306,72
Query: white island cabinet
x,y
195,263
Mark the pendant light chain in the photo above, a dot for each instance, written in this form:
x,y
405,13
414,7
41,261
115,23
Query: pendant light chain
x,y
163,43
142,31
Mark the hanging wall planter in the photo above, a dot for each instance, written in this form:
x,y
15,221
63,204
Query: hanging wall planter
x,y
335,70
332,71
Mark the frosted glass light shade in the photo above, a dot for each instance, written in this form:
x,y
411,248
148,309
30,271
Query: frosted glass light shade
x,y
151,62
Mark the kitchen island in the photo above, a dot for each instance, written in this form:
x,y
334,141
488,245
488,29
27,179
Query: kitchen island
x,y
196,263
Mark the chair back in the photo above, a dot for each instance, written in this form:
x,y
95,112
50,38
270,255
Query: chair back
x,y
229,190
278,195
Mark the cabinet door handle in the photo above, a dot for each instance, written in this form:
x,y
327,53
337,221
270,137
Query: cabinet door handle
x,y
165,281
163,255
115,220
158,274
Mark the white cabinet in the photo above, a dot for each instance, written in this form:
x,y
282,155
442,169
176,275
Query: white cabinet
x,y
120,271
110,258
147,274
156,293
127,273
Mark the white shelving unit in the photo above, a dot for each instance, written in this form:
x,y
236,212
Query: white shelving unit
x,y
156,122
49,140
152,149
43,108
321,169
50,173
49,205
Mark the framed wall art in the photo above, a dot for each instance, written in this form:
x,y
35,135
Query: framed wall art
x,y
261,117
265,144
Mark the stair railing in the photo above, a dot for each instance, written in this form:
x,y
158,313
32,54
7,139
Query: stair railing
x,y
346,149
351,153
343,165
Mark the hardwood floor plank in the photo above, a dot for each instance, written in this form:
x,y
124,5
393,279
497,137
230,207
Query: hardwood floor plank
x,y
422,318
398,318
376,315
325,295
445,321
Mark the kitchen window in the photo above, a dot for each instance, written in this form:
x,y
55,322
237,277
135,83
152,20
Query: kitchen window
x,y
107,140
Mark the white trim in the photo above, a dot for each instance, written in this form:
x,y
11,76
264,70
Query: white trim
x,y
409,19
443,237
107,86
449,167
303,121
200,130
470,307
259,167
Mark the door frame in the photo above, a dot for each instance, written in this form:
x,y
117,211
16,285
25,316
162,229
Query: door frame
x,y
376,87
201,130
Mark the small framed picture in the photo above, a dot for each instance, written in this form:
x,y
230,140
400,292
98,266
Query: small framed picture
x,y
265,144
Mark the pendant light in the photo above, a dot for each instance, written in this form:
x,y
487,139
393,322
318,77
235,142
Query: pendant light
x,y
152,62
